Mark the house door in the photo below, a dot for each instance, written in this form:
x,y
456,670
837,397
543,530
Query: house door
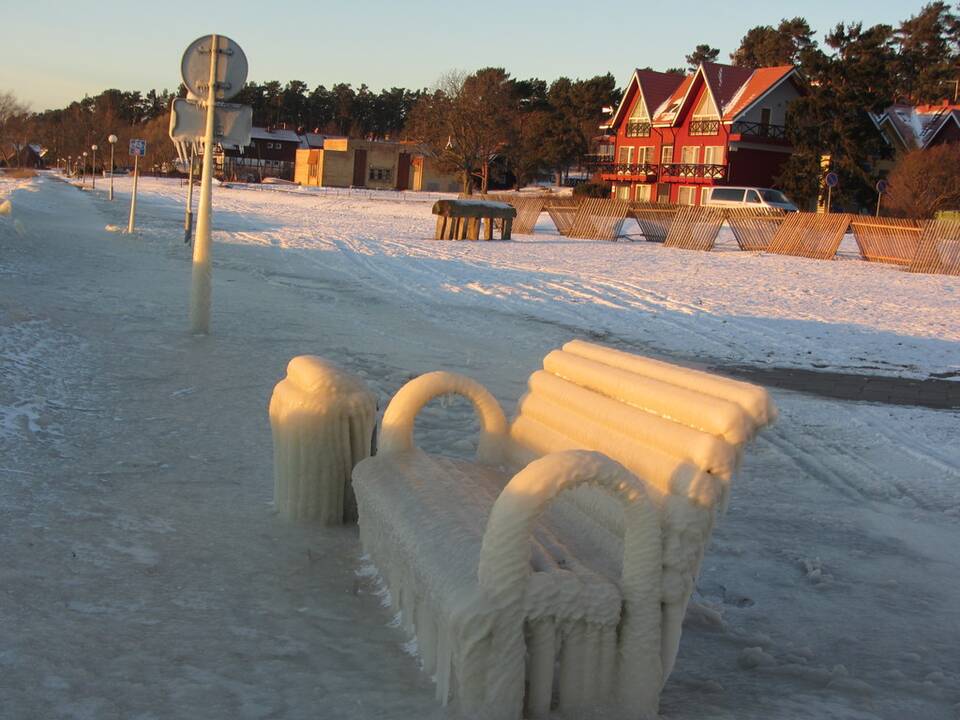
x,y
403,171
663,193
359,168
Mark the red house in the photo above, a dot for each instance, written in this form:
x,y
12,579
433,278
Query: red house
x,y
676,135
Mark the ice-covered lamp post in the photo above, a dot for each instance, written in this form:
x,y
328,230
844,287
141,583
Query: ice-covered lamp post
x,y
112,139
93,167
83,170
69,165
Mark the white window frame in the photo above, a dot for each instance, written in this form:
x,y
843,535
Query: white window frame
x,y
629,160
705,194
690,191
709,151
644,155
687,150
621,192
648,192
663,151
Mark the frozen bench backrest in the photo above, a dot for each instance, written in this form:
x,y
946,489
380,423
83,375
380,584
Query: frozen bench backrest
x,y
667,424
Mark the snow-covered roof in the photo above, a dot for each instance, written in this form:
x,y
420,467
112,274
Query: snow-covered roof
x,y
260,133
918,126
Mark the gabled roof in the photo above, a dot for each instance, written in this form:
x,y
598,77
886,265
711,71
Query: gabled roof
x,y
669,108
760,83
918,126
260,133
654,87
724,81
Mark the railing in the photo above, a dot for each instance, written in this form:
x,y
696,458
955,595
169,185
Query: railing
x,y
693,170
638,128
759,130
610,168
704,127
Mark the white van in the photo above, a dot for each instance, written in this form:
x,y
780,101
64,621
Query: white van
x,y
749,197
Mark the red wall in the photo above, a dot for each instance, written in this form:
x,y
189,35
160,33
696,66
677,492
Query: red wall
x,y
755,167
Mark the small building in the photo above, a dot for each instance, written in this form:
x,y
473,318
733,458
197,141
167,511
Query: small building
x,y
917,127
375,164
272,152
676,136
26,155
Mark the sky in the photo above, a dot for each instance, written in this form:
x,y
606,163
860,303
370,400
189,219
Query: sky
x,y
61,51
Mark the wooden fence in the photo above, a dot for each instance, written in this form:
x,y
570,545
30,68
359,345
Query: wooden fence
x,y
695,227
754,228
810,235
654,219
939,248
599,219
563,211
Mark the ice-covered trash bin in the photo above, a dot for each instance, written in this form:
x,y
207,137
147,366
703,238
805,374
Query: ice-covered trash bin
x,y
322,420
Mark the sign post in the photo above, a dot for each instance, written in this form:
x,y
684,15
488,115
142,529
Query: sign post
x,y
138,148
188,215
881,189
832,181
214,67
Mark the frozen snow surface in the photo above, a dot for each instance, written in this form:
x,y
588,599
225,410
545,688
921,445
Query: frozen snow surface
x,y
145,575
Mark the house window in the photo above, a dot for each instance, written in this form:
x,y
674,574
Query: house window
x,y
663,193
666,154
706,119
687,195
638,124
380,174
765,117
689,155
644,155
705,195
625,155
644,193
713,155
622,192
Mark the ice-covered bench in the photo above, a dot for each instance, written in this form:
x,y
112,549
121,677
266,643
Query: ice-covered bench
x,y
556,567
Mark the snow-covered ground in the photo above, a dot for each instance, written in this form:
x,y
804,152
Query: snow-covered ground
x,y
143,574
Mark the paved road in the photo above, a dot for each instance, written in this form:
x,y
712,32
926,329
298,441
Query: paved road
x,y
931,392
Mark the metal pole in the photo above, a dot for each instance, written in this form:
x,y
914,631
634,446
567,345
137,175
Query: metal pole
x,y
202,272
879,198
188,218
133,196
93,169
111,170
829,193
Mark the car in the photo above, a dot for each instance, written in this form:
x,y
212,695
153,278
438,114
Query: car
x,y
749,197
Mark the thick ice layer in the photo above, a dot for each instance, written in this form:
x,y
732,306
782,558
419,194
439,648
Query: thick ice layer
x,y
322,420
423,521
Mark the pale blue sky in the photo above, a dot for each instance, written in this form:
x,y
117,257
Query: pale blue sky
x,y
54,52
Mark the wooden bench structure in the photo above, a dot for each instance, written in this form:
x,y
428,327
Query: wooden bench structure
x,y
461,219
555,569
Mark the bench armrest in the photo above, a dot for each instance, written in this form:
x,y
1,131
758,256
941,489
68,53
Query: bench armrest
x,y
396,434
505,555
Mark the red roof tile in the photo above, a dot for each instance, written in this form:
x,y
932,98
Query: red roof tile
x,y
759,82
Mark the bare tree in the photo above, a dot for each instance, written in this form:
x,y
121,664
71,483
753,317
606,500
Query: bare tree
x,y
925,181
466,121
12,112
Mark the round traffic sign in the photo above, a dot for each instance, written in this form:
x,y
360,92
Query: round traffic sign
x,y
231,67
882,186
832,179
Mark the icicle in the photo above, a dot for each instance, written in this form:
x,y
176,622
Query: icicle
x,y
541,658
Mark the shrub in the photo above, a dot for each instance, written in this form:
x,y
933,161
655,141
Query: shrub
x,y
924,182
592,190
18,172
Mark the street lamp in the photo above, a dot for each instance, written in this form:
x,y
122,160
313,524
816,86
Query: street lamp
x,y
112,139
83,170
93,167
69,165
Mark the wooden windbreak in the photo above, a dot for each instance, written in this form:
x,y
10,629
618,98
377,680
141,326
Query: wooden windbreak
x,y
599,219
654,219
939,248
528,212
810,235
563,211
754,228
695,227
887,240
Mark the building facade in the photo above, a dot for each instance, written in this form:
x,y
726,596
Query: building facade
x,y
272,152
675,136
917,127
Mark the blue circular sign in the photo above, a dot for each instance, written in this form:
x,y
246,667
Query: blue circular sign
x,y
832,179
882,186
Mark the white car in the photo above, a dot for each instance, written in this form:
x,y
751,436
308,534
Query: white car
x,y
750,197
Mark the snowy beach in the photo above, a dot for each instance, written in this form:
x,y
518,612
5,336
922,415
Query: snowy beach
x,y
145,576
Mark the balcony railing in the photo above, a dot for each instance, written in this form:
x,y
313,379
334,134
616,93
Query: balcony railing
x,y
694,170
704,127
615,168
638,128
759,130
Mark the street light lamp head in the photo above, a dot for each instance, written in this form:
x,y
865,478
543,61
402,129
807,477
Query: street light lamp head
x,y
84,153
112,139
93,147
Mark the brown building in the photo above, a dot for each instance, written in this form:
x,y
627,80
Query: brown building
x,y
917,127
375,164
272,152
